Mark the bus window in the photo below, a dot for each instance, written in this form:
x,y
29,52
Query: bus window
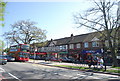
x,y
13,48
11,54
25,48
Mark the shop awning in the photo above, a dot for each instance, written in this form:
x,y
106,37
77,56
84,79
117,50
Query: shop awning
x,y
63,52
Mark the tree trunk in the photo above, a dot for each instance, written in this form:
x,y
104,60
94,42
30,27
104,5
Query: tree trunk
x,y
112,49
114,64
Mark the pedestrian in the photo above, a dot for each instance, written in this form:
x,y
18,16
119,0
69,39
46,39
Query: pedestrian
x,y
90,61
100,62
81,60
95,60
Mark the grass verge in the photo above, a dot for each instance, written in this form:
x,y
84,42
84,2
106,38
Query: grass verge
x,y
85,68
116,67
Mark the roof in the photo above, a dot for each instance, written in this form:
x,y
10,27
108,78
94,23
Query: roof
x,y
84,37
42,44
63,41
74,39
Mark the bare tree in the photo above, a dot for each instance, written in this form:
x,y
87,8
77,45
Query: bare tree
x,y
25,32
2,12
1,46
103,18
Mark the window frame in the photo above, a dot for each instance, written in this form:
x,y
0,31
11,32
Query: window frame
x,y
78,45
86,43
71,46
95,44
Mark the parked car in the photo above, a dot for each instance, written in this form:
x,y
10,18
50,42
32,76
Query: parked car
x,y
65,59
72,60
10,58
3,59
36,58
47,58
31,57
55,59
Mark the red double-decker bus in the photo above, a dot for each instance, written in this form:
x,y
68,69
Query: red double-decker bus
x,y
20,52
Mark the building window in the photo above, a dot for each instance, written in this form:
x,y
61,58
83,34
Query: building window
x,y
106,43
86,44
64,47
61,47
71,46
95,44
78,45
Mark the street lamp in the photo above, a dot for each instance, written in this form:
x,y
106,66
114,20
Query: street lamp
x,y
104,56
35,49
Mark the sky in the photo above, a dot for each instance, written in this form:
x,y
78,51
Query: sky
x,y
56,17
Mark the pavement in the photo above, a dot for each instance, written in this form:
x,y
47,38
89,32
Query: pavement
x,y
52,63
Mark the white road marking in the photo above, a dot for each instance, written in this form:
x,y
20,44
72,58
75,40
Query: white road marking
x,y
3,70
14,76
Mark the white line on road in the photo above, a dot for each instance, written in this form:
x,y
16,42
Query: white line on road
x,y
14,76
3,70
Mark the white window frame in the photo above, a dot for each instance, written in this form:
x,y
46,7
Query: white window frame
x,y
78,45
95,44
86,44
71,46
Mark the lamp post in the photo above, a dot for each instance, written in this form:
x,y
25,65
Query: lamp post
x,y
35,49
103,50
104,56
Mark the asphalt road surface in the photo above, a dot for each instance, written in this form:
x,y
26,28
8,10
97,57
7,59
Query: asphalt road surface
x,y
22,70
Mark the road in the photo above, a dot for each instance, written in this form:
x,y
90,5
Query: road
x,y
22,70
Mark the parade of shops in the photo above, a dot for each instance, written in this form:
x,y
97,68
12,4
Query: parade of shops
x,y
76,47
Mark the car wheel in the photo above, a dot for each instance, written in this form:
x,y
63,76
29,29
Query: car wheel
x,y
2,63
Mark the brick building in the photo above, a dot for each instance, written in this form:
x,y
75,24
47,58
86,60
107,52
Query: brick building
x,y
73,46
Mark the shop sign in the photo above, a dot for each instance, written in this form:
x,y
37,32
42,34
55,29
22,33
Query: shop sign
x,y
40,53
63,52
91,51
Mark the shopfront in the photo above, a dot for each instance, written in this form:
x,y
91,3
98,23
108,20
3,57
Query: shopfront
x,y
38,55
86,53
63,54
75,54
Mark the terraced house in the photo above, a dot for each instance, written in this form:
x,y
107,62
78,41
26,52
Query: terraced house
x,y
73,46
77,47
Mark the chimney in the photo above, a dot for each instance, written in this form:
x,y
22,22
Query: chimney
x,y
51,39
72,35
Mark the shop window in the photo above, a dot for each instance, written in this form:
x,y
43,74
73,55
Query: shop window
x,y
86,44
95,44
